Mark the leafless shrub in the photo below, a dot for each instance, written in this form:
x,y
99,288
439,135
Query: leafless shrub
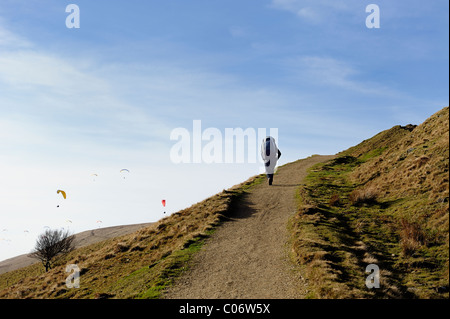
x,y
51,244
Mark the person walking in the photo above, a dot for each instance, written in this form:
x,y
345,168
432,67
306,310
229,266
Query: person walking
x,y
270,155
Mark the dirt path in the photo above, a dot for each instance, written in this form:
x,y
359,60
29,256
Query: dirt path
x,y
247,257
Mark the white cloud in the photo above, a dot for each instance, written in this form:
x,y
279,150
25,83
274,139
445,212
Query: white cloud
x,y
331,72
308,11
328,70
290,5
309,14
315,11
31,69
238,32
9,39
296,5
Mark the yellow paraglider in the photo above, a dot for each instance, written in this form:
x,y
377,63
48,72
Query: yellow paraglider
x,y
62,192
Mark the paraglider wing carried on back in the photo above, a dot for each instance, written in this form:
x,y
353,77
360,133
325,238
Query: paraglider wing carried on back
x,y
269,150
269,154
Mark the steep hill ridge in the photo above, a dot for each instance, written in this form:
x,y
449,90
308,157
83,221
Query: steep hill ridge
x,y
383,202
411,163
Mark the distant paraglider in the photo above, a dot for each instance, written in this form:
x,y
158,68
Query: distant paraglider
x,y
63,194
163,202
123,170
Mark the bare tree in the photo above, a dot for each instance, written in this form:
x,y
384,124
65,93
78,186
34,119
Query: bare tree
x,y
51,244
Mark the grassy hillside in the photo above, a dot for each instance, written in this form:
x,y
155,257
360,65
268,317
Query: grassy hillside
x,y
383,202
138,265
81,239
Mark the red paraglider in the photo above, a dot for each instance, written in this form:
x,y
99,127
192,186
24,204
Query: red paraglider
x,y
164,203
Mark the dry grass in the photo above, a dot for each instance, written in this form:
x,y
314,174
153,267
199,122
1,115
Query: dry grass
x,y
335,200
412,237
359,197
415,162
384,201
138,265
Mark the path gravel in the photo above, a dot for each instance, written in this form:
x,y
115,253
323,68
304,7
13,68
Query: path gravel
x,y
247,257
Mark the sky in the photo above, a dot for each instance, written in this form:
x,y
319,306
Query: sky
x,y
109,95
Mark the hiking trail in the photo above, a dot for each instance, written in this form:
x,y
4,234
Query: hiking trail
x,y
247,256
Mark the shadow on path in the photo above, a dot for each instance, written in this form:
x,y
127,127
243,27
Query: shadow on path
x,y
241,208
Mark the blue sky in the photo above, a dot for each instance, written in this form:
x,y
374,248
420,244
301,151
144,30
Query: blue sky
x,y
106,96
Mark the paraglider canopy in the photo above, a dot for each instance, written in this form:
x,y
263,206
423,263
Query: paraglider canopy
x,y
163,202
62,192
124,170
